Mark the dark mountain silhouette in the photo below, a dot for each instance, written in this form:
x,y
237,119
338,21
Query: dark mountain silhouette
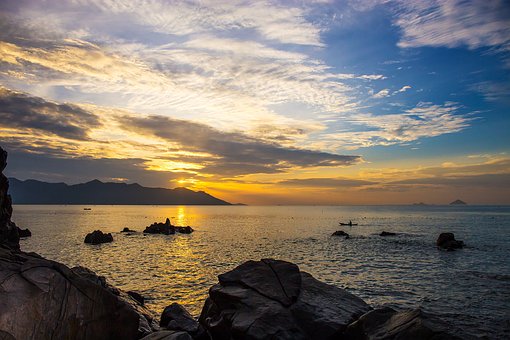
x,y
97,192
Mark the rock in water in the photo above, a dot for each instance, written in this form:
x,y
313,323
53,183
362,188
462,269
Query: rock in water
x,y
271,299
97,237
42,299
388,324
387,233
160,228
447,241
8,231
340,233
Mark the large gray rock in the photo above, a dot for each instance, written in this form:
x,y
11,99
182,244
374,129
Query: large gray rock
x,y
42,299
388,324
273,299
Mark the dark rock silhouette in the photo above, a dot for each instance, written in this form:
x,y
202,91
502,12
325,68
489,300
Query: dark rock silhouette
x,y
97,192
388,324
272,299
447,241
127,230
97,237
167,228
458,202
160,228
176,317
137,296
8,231
387,233
24,232
341,233
42,299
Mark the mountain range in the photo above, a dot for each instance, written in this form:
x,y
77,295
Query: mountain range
x,y
96,192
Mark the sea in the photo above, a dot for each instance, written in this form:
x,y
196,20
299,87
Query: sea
x,y
469,288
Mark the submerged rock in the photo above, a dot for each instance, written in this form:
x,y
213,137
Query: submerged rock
x,y
447,241
387,233
340,233
271,299
184,230
97,237
388,324
43,299
127,230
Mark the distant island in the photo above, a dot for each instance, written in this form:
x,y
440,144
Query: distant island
x,y
458,202
97,192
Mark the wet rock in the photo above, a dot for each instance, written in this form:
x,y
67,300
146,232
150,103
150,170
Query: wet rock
x,y
137,296
8,231
184,230
387,233
24,232
447,241
160,228
97,237
127,230
271,299
341,233
168,335
42,299
176,317
388,324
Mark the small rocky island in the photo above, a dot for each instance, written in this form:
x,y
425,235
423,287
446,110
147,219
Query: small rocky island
x,y
267,299
458,202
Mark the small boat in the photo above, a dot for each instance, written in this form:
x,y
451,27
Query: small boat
x,y
350,224
87,209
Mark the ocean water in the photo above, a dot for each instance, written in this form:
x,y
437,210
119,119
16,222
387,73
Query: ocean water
x,y
469,288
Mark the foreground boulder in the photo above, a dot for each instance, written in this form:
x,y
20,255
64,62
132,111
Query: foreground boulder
x,y
341,233
447,241
42,299
271,299
97,237
388,324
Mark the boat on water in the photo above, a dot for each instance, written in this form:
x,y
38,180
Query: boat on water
x,y
350,224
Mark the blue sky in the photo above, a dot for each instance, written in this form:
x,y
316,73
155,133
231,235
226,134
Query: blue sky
x,y
371,92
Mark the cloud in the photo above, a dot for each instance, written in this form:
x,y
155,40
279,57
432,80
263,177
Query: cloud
x,y
237,153
381,94
23,112
424,120
326,182
403,89
454,23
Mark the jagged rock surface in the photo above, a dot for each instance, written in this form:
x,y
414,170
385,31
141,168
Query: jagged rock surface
x,y
272,299
42,299
388,324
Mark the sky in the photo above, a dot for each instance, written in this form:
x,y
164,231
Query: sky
x,y
262,102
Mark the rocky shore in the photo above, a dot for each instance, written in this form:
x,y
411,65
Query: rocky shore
x,y
266,299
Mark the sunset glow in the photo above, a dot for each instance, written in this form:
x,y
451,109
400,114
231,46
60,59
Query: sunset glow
x,y
265,102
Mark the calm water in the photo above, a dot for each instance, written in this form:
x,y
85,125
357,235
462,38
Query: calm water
x,y
470,287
